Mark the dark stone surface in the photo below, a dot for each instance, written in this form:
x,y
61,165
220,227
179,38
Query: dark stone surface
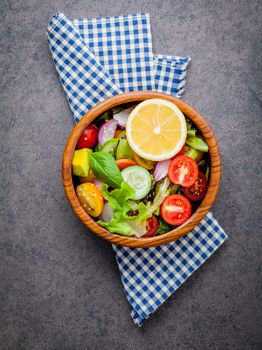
x,y
60,287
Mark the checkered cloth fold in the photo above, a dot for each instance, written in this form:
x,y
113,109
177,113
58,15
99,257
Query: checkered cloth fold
x,y
98,58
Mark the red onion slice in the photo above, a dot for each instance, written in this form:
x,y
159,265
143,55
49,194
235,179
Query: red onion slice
x,y
122,116
107,213
99,184
107,131
161,169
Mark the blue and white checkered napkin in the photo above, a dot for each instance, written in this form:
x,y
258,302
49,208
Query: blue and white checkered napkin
x,y
98,58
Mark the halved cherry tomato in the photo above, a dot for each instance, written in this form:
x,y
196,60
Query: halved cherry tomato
x,y
151,225
175,209
91,198
88,139
125,163
118,131
183,171
182,151
198,190
145,163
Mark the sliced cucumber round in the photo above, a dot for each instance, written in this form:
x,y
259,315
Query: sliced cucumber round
x,y
139,179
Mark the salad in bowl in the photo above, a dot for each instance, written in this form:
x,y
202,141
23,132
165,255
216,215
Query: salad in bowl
x,y
140,170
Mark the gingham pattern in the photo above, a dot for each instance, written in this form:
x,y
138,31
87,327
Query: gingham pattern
x,y
123,45
82,76
170,72
150,275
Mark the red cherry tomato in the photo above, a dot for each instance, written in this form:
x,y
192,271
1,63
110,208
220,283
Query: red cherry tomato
x,y
182,151
198,190
175,209
88,139
125,163
151,225
183,171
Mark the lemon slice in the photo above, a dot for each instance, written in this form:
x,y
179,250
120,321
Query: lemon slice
x,y
156,129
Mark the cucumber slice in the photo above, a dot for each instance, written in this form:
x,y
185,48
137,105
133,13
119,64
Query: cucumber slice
x,y
139,179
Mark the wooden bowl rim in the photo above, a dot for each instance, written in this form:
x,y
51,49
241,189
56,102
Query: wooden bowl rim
x,y
215,170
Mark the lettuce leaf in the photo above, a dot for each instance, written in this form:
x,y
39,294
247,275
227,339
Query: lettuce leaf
x,y
121,203
122,227
118,199
162,191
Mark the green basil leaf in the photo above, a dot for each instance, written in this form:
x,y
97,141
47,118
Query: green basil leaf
x,y
105,169
163,227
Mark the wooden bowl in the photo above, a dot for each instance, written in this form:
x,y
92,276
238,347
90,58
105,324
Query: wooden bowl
x,y
215,171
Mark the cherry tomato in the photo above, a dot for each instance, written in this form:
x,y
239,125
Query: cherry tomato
x,y
125,163
183,171
91,198
145,163
88,139
182,151
151,226
175,209
198,190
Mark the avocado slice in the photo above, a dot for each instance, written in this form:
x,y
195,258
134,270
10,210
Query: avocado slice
x,y
110,146
80,162
123,150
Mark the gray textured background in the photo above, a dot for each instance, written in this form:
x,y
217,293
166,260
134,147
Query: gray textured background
x,y
60,287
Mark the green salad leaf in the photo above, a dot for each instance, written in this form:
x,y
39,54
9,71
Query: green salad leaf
x,y
117,226
121,203
162,191
118,199
105,169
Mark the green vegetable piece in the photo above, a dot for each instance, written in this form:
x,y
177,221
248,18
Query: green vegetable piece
x,y
191,152
80,162
163,227
97,147
105,169
110,146
188,124
118,199
197,143
202,163
122,227
207,172
174,189
103,118
162,191
157,212
191,132
123,150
